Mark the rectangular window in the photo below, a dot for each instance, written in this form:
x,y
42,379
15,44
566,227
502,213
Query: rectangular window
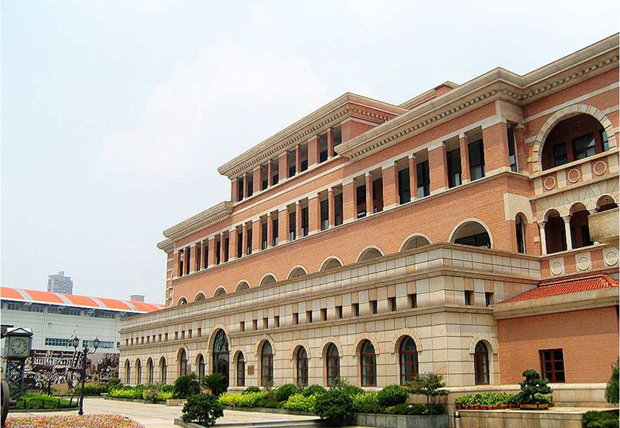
x,y
373,306
226,248
476,160
488,298
295,318
338,312
198,257
265,323
377,195
324,214
274,232
264,173
199,332
604,140
560,155
323,314
469,297
552,365
338,209
355,309
275,173
276,321
308,316
291,163
412,301
205,256
392,304
250,180
424,179
240,244
512,149
249,241
361,200
242,326
240,189
304,157
291,226
263,236
218,252
188,256
254,324
454,167
584,146
322,148
404,186
304,221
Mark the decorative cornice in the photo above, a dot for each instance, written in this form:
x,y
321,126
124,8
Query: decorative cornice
x,y
496,84
313,124
166,245
210,216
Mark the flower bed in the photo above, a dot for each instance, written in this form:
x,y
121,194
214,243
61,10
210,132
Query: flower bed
x,y
91,421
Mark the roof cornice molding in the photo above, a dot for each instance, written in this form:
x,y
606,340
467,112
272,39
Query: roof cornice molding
x,y
199,221
315,123
496,84
166,245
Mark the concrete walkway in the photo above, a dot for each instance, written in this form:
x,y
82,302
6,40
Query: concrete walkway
x,y
161,416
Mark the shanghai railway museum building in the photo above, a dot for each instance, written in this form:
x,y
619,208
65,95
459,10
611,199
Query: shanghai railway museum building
x,y
471,231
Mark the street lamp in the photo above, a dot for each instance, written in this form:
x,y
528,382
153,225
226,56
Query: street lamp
x,y
83,354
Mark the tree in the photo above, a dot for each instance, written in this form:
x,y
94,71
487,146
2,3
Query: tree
x,y
429,384
203,409
532,388
611,392
216,383
186,386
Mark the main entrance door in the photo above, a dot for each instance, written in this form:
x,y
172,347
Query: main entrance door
x,y
221,354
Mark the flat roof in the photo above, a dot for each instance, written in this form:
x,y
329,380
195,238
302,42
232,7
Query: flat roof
x,y
75,300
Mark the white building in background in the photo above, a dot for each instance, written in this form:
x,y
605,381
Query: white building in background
x,y
60,283
56,317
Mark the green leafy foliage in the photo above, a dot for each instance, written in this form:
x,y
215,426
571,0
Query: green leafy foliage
x,y
113,383
415,409
132,392
335,406
285,391
251,389
600,420
92,389
42,401
300,403
611,392
392,395
203,409
250,399
533,389
216,383
429,384
366,402
313,390
186,386
490,399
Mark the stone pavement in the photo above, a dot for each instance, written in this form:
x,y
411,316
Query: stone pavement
x,y
161,416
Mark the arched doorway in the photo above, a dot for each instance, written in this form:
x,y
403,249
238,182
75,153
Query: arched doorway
x,y
555,232
221,354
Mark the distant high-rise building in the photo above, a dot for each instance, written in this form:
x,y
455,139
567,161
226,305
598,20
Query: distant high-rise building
x,y
60,283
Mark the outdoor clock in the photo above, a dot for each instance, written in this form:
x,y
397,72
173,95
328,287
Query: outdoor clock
x,y
18,345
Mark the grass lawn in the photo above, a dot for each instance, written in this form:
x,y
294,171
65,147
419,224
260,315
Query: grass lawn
x,y
90,421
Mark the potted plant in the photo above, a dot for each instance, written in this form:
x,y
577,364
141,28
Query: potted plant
x,y
533,392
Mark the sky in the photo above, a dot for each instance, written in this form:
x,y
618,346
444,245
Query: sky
x,y
115,115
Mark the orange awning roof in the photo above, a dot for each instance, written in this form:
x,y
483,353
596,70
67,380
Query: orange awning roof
x,y
566,286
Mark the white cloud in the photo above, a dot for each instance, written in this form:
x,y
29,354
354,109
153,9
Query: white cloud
x,y
227,100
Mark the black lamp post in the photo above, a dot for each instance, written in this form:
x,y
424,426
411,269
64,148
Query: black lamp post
x,y
82,354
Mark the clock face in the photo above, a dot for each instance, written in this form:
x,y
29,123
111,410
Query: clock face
x,y
19,346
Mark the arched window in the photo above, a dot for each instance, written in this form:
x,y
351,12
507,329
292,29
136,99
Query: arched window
x,y
297,272
302,367
331,263
332,364
200,364
266,363
520,231
240,370
369,254
555,234
415,242
471,233
163,370
149,371
481,364
221,291
182,362
182,301
220,354
138,372
127,372
243,285
579,226
368,361
605,203
268,279
408,359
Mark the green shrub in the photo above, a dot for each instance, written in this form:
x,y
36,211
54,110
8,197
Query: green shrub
x,y
415,409
352,390
300,403
611,392
269,401
335,406
132,392
430,385
113,383
392,395
366,402
91,389
533,389
42,401
249,399
285,391
216,383
600,420
202,409
186,386
162,396
313,390
251,390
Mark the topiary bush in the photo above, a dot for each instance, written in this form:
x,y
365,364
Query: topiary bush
x,y
335,406
533,389
600,420
611,392
392,395
251,390
285,391
216,383
313,390
202,409
186,386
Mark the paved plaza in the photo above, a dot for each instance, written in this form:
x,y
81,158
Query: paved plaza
x,y
161,416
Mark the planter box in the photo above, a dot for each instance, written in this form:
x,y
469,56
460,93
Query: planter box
x,y
538,406
401,421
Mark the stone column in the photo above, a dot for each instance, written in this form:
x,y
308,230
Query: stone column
x,y
298,219
245,186
369,204
202,254
297,159
269,230
569,241
244,239
413,177
464,146
330,143
269,174
543,237
331,204
192,261
222,247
